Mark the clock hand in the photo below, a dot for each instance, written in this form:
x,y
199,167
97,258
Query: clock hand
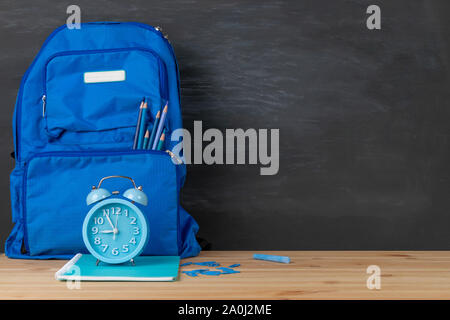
x,y
115,228
107,231
109,220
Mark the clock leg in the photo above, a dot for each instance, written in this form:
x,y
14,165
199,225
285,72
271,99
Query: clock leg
x,y
132,262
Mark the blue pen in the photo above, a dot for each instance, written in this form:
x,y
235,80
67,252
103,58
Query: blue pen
x,y
160,127
143,127
269,257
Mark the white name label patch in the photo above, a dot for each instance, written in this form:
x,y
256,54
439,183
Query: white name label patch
x,y
104,76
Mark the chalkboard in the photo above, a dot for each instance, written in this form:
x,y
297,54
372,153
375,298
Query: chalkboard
x,y
363,115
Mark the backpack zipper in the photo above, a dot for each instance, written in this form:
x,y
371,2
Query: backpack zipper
x,y
43,105
159,29
174,158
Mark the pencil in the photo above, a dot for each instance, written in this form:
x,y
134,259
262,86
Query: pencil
x,y
269,257
146,137
155,127
136,134
160,127
142,126
161,141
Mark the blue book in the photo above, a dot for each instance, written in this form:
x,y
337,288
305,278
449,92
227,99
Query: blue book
x,y
83,267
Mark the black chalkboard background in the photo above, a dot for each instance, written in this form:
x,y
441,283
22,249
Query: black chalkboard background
x,y
363,115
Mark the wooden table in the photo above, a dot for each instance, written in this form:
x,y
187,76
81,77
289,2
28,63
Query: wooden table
x,y
310,275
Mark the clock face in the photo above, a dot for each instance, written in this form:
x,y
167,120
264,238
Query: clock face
x,y
115,231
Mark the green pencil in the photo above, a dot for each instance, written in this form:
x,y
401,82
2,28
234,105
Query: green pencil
x,y
161,141
146,139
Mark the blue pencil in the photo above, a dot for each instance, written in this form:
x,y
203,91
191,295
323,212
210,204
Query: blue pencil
x,y
138,126
160,127
155,127
143,126
269,257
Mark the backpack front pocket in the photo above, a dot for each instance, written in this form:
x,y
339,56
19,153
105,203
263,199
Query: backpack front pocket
x,y
56,184
96,93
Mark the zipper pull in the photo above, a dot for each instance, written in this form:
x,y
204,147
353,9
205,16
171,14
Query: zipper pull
x,y
43,105
176,160
158,28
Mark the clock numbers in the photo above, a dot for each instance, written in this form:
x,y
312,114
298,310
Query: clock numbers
x,y
115,232
116,210
98,220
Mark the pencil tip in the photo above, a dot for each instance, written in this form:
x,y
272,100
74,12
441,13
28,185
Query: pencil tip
x,y
145,105
165,108
158,114
147,134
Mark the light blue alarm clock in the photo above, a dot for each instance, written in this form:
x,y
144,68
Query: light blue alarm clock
x,y
115,230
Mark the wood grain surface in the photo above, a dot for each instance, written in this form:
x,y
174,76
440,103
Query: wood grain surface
x,y
310,275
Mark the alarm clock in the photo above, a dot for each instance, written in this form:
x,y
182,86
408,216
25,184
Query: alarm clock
x,y
115,230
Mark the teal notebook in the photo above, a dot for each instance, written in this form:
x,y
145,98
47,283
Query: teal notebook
x,y
147,268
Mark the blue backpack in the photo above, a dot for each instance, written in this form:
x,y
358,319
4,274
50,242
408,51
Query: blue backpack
x,y
69,133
